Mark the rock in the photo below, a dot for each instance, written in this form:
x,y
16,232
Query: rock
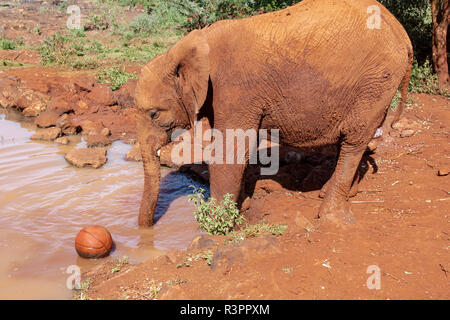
x,y
46,119
83,84
125,95
407,133
372,146
105,132
406,127
35,109
90,127
97,140
63,140
4,102
9,92
87,157
400,124
48,134
67,125
202,242
59,105
444,171
172,293
32,103
134,154
102,94
378,133
82,106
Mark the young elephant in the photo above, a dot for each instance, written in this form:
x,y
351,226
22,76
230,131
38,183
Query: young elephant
x,y
322,72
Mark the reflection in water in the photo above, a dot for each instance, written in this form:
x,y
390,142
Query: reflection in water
x,y
44,202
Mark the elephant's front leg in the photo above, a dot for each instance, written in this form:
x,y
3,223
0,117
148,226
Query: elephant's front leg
x,y
237,145
226,178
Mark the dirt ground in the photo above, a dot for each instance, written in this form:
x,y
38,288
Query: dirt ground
x,y
402,208
402,213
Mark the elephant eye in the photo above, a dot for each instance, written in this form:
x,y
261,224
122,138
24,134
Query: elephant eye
x,y
154,114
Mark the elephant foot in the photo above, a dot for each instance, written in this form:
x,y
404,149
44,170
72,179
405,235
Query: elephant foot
x,y
337,212
327,186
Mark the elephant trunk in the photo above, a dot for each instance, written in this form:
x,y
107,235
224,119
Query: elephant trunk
x,y
150,140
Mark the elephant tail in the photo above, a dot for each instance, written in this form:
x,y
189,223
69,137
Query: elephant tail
x,y
404,88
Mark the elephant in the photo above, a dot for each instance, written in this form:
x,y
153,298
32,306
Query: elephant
x,y
322,72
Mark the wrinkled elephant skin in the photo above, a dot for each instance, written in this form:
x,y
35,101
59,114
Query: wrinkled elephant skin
x,y
323,72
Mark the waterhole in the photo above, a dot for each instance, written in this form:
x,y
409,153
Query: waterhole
x,y
44,202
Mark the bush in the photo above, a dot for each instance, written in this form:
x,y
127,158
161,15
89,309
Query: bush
x,y
424,80
114,76
162,15
60,49
217,219
6,44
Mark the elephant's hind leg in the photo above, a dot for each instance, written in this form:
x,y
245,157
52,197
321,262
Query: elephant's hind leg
x,y
327,186
335,206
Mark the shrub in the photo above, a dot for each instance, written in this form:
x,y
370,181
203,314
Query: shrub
x,y
114,76
6,44
97,22
58,49
424,80
214,218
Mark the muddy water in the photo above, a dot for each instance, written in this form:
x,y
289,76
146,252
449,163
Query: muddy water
x,y
44,202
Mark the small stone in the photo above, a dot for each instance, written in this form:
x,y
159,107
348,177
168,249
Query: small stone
x,y
87,157
378,133
172,293
82,106
443,171
91,127
202,242
46,119
67,125
97,140
59,105
372,146
105,132
407,133
48,134
63,140
34,109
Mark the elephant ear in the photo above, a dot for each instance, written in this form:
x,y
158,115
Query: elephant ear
x,y
189,60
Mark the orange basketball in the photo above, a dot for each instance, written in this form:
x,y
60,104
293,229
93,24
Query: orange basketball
x,y
93,242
